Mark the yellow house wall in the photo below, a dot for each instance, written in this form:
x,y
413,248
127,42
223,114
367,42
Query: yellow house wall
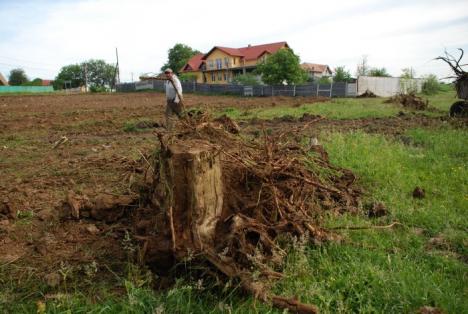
x,y
217,54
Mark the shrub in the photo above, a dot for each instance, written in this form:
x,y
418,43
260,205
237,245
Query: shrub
x,y
431,85
246,79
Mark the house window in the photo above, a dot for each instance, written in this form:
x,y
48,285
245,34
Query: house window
x,y
220,76
211,64
226,62
219,63
225,76
213,76
234,61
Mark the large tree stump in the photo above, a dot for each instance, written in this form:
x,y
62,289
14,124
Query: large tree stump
x,y
189,190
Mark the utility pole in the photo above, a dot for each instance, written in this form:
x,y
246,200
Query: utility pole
x,y
86,76
117,69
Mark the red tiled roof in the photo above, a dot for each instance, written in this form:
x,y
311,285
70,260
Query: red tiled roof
x,y
313,67
254,52
250,52
194,63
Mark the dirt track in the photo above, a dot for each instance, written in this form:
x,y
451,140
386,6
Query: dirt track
x,y
100,157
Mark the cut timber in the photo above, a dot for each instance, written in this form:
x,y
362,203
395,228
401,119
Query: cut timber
x,y
189,190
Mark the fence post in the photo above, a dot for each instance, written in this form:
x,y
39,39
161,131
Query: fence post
x,y
294,91
331,88
318,87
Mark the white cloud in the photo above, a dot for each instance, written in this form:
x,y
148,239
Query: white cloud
x,y
42,36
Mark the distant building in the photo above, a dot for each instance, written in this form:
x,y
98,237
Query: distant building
x,y
47,82
221,64
316,70
3,80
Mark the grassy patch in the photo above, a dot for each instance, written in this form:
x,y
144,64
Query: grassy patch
x,y
342,108
396,270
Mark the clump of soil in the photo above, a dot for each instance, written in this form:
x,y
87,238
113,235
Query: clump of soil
x,y
367,94
376,210
225,202
419,192
410,101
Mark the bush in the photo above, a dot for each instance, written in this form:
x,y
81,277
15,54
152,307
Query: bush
x,y
246,79
324,80
97,89
431,85
188,77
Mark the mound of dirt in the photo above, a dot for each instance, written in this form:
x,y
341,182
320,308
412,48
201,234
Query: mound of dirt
x,y
367,94
410,101
224,203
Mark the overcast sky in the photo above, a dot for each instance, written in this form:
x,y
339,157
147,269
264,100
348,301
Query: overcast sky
x,y
42,36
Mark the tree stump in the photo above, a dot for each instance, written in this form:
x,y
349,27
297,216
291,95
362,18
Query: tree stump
x,y
189,191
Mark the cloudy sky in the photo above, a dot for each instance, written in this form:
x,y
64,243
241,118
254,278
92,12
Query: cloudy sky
x,y
42,36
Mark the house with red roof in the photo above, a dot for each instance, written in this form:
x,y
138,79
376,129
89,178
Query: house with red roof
x,y
315,70
221,64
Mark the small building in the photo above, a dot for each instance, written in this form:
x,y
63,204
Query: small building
x,y
316,71
47,82
3,80
221,64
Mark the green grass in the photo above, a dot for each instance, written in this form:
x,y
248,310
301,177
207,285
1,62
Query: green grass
x,y
342,108
394,270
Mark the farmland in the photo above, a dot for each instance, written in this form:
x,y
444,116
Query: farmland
x,y
56,265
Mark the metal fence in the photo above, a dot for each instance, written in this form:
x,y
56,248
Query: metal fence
x,y
324,90
26,89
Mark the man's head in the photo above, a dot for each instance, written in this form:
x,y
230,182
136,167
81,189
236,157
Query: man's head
x,y
168,72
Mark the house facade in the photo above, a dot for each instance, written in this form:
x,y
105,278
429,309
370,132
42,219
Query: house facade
x,y
221,64
316,71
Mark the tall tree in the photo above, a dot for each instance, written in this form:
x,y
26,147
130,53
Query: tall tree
x,y
178,57
341,75
282,66
408,73
99,75
362,67
379,72
17,77
72,75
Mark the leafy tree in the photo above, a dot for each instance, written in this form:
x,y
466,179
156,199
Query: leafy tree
x,y
100,75
282,66
362,67
341,75
407,83
17,77
408,73
382,72
431,85
72,73
36,82
246,79
324,80
178,57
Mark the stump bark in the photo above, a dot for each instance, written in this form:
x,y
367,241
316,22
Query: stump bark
x,y
189,191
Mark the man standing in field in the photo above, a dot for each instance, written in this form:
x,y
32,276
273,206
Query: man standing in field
x,y
173,95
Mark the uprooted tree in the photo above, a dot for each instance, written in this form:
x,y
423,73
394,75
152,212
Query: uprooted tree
x,y
227,207
224,202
